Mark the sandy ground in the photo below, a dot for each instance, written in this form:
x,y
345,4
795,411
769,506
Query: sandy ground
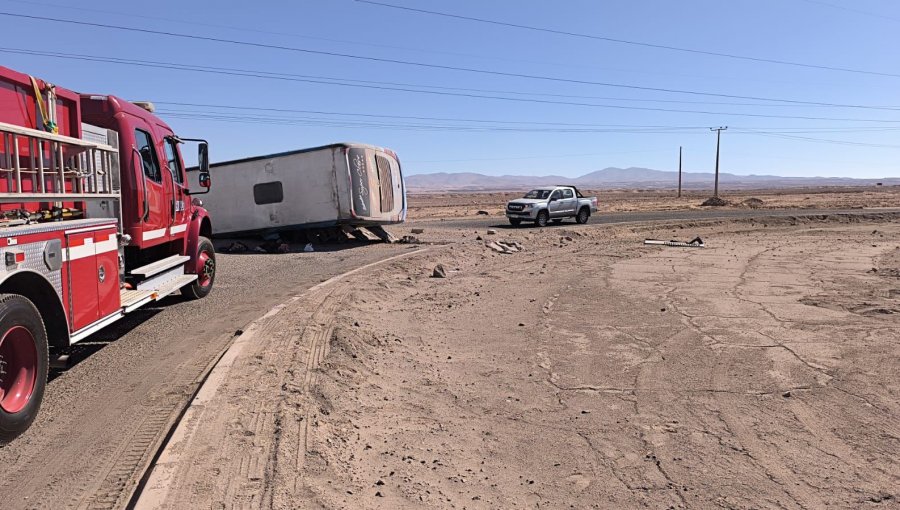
x,y
455,205
586,371
103,418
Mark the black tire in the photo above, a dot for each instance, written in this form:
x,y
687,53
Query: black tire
x,y
584,214
206,275
542,218
23,345
515,222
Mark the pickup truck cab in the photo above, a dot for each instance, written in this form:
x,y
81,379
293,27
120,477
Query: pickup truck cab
x,y
554,203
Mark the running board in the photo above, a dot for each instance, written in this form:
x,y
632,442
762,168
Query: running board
x,y
160,265
173,285
130,300
133,299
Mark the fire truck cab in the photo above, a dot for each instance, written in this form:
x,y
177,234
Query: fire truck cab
x,y
96,220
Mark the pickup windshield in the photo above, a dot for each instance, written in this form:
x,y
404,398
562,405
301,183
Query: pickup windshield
x,y
539,194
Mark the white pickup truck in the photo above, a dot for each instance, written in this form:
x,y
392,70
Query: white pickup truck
x,y
554,203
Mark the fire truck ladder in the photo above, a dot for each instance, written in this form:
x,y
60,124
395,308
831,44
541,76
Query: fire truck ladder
x,y
44,167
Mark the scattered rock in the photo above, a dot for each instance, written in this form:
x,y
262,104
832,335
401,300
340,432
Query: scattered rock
x,y
439,272
483,213
786,394
418,231
409,240
491,231
479,238
714,202
753,203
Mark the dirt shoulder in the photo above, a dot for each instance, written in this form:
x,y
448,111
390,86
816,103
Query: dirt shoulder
x,y
587,370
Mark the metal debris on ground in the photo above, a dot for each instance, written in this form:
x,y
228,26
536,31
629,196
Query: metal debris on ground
x,y
418,231
235,247
491,231
409,240
505,247
693,243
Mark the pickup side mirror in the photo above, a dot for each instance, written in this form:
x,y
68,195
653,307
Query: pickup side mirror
x,y
554,199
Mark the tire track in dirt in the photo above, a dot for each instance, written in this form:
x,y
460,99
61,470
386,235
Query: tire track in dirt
x,y
247,421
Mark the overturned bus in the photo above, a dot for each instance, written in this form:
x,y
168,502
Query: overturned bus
x,y
339,185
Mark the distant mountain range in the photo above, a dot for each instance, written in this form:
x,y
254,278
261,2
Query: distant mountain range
x,y
626,178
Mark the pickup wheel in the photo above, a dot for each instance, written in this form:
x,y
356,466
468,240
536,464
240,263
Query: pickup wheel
x,y
515,222
584,215
206,271
23,364
542,218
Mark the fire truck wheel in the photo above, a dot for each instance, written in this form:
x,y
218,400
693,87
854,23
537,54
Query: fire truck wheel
x,y
206,271
23,364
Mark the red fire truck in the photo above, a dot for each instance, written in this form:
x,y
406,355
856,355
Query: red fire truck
x,y
96,220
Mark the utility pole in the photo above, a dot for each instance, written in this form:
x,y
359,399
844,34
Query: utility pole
x,y
679,171
718,131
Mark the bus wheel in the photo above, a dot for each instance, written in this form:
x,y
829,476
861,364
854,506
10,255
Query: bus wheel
x,y
23,364
206,271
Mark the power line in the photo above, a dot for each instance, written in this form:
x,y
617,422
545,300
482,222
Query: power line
x,y
287,77
238,118
629,42
368,44
789,130
558,156
823,140
200,115
419,64
412,117
850,9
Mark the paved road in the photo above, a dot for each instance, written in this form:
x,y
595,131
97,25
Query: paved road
x,y
630,217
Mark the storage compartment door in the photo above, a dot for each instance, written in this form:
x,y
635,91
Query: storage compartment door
x,y
106,246
83,290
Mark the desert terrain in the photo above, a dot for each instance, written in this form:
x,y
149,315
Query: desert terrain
x,y
431,205
565,367
578,369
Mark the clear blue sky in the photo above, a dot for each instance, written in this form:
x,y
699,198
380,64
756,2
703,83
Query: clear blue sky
x,y
501,136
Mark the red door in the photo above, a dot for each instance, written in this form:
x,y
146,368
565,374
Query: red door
x,y
155,183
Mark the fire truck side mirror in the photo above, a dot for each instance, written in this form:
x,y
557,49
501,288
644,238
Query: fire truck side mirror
x,y
203,160
205,180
